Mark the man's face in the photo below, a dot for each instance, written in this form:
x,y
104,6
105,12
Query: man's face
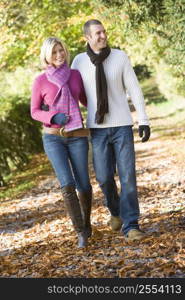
x,y
97,37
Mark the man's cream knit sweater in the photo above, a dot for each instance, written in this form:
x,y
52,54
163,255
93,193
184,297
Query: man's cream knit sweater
x,y
120,78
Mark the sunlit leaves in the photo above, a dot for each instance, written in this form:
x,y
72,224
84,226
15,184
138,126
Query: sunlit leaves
x,y
28,23
151,32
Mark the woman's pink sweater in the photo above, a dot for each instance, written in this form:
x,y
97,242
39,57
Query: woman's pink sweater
x,y
44,92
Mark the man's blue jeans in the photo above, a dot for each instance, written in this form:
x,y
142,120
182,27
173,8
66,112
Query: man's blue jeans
x,y
110,144
69,158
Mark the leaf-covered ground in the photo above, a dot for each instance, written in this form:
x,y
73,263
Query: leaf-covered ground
x,y
37,238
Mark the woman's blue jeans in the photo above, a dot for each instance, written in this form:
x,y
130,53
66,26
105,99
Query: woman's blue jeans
x,y
110,145
69,158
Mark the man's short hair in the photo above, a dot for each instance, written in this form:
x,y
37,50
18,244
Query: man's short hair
x,y
86,27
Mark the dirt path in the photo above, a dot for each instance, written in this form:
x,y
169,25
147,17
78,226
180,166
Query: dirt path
x,y
37,239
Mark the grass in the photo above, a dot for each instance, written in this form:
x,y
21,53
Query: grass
x,y
152,93
165,116
20,182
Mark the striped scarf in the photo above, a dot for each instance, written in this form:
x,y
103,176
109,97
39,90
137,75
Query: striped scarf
x,y
64,101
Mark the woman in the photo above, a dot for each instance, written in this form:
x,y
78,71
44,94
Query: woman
x,y
60,88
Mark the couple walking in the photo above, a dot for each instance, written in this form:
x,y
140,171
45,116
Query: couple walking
x,y
99,79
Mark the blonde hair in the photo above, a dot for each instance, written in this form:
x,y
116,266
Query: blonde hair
x,y
47,48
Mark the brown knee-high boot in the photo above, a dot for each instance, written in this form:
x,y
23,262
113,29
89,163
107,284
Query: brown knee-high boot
x,y
73,207
86,204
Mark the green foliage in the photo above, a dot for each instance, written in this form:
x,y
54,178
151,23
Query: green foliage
x,y
20,136
142,72
175,53
152,93
21,181
152,32
15,83
139,11
168,83
27,23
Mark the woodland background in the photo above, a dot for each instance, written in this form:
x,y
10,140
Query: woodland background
x,y
36,237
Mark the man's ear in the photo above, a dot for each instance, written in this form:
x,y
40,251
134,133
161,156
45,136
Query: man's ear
x,y
87,37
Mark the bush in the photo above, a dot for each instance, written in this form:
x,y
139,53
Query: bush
x,y
168,83
20,136
142,72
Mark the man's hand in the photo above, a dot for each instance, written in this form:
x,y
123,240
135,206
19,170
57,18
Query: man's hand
x,y
60,119
144,132
45,107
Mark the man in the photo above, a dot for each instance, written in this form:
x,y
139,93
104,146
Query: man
x,y
108,76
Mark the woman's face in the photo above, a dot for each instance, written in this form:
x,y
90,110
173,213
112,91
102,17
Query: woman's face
x,y
58,56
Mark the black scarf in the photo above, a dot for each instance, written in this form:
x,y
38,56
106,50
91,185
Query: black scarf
x,y
101,84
